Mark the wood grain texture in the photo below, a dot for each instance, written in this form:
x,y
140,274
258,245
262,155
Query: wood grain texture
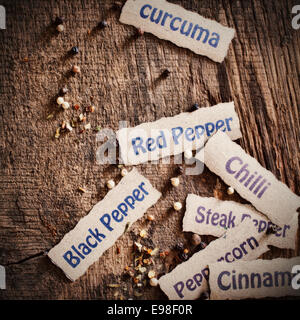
x,y
40,175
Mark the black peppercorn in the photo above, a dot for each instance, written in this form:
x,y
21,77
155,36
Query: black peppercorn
x,y
204,296
179,246
272,229
203,245
74,50
117,5
63,91
58,21
180,170
165,73
103,24
183,256
195,107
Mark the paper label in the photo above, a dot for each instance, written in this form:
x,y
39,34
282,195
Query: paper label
x,y
171,136
210,216
189,279
253,182
105,223
255,279
184,28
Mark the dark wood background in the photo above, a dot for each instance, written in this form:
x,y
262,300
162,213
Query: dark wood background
x,y
40,175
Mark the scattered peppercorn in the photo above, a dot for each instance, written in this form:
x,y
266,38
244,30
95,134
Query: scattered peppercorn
x,y
183,256
74,50
204,296
103,24
143,233
76,69
203,245
65,105
180,170
179,246
63,90
153,282
58,21
117,5
76,106
60,28
165,74
230,190
196,239
175,181
195,107
186,251
150,217
272,229
177,206
60,100
110,184
124,172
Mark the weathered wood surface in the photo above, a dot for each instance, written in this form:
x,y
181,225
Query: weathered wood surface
x,y
40,176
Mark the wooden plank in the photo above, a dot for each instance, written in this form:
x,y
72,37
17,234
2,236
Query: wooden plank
x,y
40,176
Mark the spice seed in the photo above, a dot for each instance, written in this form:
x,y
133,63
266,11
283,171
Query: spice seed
x,y
230,190
124,172
60,28
175,182
151,274
150,217
76,69
74,50
60,100
110,184
143,233
153,282
177,206
196,239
